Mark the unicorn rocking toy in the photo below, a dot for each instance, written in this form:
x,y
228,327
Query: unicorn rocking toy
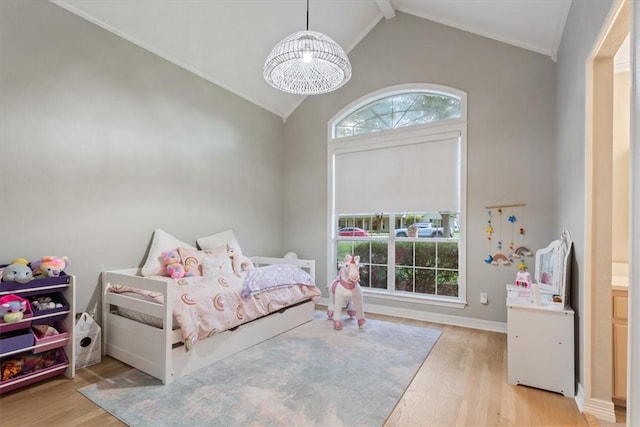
x,y
346,289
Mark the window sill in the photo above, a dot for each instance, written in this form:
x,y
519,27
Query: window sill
x,y
415,299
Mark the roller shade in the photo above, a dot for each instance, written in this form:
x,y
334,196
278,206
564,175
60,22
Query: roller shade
x,y
411,177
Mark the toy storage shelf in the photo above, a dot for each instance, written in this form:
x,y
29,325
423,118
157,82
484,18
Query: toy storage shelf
x,y
18,339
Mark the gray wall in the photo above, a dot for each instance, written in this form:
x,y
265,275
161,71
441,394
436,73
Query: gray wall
x,y
511,146
585,20
101,142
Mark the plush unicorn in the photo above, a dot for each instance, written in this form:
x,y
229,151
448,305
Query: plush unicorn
x,y
239,262
346,288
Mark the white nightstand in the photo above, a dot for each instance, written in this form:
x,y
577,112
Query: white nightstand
x,y
540,345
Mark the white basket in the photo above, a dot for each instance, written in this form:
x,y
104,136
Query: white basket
x,y
87,341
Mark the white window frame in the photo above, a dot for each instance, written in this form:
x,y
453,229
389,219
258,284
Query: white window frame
x,y
448,128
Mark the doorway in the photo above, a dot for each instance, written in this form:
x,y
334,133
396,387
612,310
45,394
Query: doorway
x,y
607,202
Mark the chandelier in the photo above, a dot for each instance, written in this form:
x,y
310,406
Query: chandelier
x,y
307,63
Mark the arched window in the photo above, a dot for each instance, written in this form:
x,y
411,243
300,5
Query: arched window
x,y
399,110
397,192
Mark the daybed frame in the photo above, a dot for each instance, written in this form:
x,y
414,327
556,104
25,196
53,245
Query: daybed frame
x,y
159,351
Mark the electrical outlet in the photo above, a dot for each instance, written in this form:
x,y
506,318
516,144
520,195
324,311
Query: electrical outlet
x,y
484,298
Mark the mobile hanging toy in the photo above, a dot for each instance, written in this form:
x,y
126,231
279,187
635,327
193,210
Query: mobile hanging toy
x,y
493,232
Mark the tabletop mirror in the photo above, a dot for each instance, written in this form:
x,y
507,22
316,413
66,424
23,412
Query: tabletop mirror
x,y
553,268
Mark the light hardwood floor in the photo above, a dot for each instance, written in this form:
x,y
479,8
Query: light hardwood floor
x,y
462,383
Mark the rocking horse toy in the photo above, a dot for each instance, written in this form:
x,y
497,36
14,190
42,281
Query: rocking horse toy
x,y
346,289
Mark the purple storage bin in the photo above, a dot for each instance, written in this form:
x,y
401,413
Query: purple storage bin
x,y
63,279
16,340
56,297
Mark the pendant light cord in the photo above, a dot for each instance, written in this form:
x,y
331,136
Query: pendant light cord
x,y
307,15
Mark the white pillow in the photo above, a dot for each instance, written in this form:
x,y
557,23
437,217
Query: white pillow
x,y
210,243
162,241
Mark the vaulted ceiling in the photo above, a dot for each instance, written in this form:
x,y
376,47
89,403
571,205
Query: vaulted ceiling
x,y
227,41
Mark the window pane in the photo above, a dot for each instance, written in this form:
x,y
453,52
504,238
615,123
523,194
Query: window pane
x,y
404,253
397,111
343,131
448,283
365,276
383,106
379,277
403,102
404,279
361,116
413,118
373,124
425,281
362,249
345,247
448,255
379,252
426,254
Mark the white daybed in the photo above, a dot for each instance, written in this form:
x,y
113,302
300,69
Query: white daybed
x,y
159,351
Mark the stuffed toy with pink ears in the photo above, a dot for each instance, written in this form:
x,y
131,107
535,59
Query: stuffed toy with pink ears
x,y
171,262
49,266
239,262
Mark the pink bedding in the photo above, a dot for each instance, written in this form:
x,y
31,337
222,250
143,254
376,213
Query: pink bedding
x,y
205,306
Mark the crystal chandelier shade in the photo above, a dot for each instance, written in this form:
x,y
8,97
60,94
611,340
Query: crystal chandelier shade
x,y
307,63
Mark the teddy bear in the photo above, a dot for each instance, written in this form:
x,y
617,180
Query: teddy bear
x,y
239,262
49,266
17,272
171,262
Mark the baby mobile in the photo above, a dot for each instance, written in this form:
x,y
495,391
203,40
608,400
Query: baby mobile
x,y
514,223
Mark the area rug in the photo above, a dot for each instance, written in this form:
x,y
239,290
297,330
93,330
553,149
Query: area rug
x,y
308,376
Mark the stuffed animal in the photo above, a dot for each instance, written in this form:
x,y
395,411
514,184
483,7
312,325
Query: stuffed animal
x,y
176,271
12,308
171,262
213,266
17,272
49,266
239,262
346,289
20,261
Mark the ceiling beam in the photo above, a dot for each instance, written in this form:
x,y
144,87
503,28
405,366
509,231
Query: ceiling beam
x,y
387,8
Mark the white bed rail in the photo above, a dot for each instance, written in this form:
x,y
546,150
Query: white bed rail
x,y
155,339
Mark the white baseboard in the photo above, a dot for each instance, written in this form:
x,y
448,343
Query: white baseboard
x,y
602,409
445,319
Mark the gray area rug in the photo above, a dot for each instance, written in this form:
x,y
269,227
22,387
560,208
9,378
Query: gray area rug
x,y
309,376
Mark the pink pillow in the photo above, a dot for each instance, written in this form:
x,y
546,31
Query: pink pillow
x,y
192,260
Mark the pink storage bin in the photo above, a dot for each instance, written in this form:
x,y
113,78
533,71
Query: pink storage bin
x,y
51,342
37,376
25,323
